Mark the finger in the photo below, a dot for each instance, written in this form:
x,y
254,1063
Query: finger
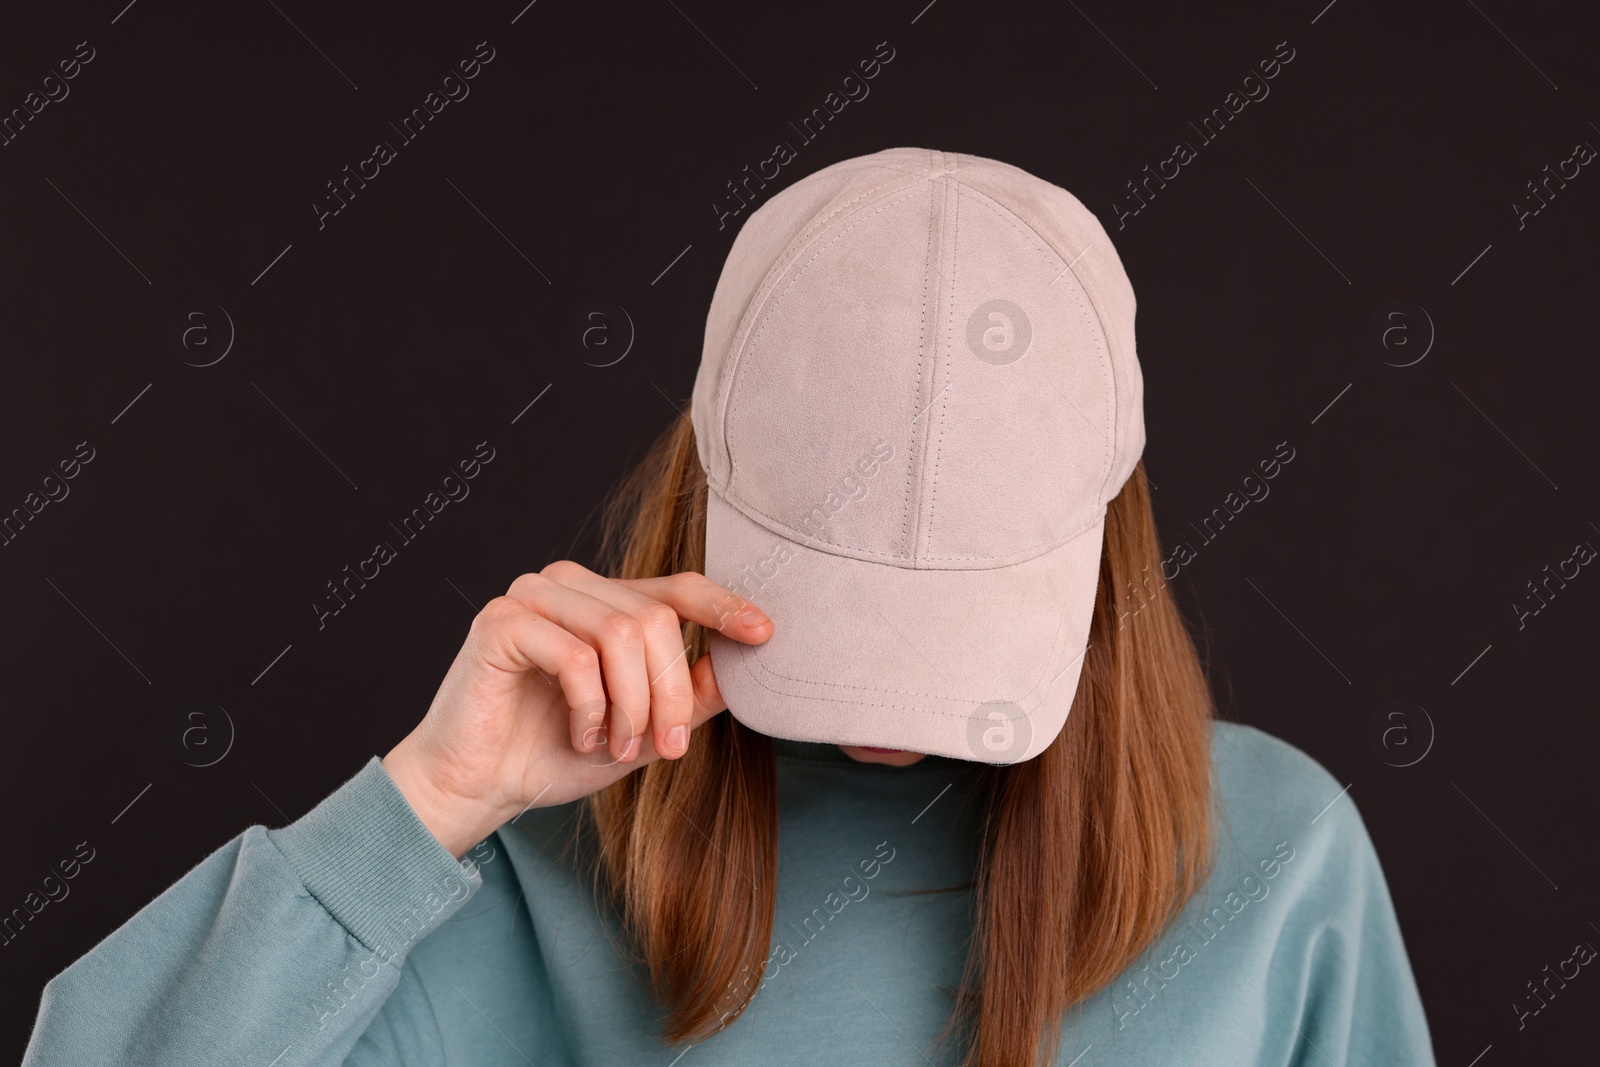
x,y
513,639
697,598
665,654
708,704
617,637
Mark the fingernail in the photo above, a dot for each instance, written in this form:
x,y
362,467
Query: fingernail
x,y
753,618
631,749
677,739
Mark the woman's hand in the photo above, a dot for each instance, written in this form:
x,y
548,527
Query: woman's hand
x,y
563,686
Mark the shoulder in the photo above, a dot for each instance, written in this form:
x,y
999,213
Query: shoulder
x,y
1294,922
1254,771
1271,798
1284,825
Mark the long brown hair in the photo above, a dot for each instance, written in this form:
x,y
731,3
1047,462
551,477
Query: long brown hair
x,y
1088,850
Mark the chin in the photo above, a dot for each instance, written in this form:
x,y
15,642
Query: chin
x,y
887,756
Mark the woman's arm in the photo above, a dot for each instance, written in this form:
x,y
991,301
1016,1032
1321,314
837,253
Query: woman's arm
x,y
279,948
282,947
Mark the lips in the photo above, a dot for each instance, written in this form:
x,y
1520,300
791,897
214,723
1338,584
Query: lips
x,y
880,751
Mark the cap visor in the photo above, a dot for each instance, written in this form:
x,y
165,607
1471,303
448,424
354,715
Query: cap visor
x,y
971,664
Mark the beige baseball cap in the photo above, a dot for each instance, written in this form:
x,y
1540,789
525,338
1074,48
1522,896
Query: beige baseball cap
x,y
918,392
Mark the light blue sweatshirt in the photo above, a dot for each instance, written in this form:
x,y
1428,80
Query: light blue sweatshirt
x,y
353,937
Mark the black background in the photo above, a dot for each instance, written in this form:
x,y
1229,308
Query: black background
x,y
428,314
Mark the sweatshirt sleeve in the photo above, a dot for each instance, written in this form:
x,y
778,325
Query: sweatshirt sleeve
x,y
279,948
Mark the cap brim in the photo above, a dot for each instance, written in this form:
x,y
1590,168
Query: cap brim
x,y
971,664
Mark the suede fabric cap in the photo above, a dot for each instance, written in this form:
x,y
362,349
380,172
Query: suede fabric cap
x,y
918,392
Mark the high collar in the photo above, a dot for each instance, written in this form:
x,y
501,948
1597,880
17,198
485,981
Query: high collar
x,y
822,752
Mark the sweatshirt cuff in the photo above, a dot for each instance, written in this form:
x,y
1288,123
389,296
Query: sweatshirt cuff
x,y
367,857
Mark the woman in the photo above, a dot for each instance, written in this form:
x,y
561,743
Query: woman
x,y
914,442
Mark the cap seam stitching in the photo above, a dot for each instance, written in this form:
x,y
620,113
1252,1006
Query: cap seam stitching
x,y
939,191
949,353
846,762
908,547
869,556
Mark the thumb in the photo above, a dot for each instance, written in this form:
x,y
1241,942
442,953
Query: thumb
x,y
708,700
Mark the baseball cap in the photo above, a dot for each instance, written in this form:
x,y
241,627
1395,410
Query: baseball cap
x,y
917,394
